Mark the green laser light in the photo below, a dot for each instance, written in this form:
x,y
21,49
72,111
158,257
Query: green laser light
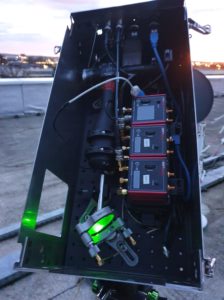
x,y
29,219
100,225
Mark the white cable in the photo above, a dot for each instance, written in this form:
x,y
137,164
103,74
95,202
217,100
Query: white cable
x,y
100,198
100,84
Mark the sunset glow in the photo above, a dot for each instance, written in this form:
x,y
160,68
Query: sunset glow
x,y
35,27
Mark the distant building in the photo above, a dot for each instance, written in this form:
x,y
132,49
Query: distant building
x,y
22,65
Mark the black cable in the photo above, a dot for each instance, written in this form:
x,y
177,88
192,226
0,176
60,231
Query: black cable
x,y
186,172
111,256
99,60
117,72
125,206
113,61
155,79
107,30
116,105
68,289
154,36
136,220
131,76
109,55
93,46
105,107
167,229
83,94
56,118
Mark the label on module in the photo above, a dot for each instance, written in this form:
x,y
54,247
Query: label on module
x,y
146,179
136,179
146,142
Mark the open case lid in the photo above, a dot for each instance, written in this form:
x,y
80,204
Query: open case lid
x,y
66,158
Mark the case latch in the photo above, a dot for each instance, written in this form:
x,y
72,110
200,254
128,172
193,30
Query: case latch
x,y
209,264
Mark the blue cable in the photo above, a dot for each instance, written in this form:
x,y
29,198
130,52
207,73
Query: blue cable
x,y
154,37
187,174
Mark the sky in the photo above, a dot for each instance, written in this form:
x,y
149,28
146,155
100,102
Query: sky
x,y
35,27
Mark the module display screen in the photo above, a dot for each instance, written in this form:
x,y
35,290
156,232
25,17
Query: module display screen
x,y
146,113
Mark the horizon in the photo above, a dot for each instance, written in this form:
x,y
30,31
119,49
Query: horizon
x,y
57,56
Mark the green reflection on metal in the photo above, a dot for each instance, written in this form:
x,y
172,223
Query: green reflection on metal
x,y
153,295
96,286
100,225
29,219
96,238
